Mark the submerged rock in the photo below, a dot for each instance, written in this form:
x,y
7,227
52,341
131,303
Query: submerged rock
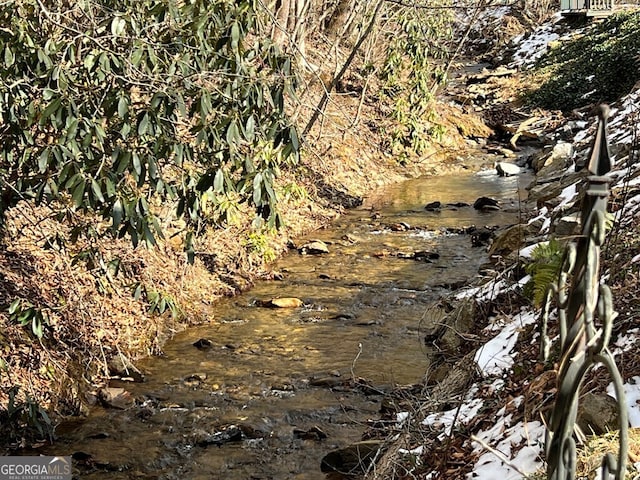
x,y
194,380
314,433
433,206
425,255
419,255
400,227
119,398
458,204
481,237
231,433
285,302
327,381
203,344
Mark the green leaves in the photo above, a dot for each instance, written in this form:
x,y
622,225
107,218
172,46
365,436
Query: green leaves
x,y
544,268
600,65
158,302
143,125
77,193
410,72
117,214
129,122
9,57
123,107
26,314
118,26
51,109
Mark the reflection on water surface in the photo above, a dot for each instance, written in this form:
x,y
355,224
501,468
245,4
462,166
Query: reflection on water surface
x,y
274,373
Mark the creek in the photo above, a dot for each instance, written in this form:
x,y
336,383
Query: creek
x,y
271,391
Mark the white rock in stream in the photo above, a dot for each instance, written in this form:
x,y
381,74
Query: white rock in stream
x,y
506,169
315,247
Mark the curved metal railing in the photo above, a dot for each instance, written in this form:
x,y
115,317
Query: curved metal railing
x,y
585,316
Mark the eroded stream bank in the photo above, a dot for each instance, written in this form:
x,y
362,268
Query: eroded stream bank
x,y
265,393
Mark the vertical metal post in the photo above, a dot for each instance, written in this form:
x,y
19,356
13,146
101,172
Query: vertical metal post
x,y
586,315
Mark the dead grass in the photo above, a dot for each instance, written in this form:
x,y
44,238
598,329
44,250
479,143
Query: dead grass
x,y
591,454
93,316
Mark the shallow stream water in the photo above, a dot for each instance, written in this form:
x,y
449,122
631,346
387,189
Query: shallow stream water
x,y
281,376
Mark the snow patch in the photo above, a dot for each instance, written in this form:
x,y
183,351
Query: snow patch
x,y
527,251
517,451
567,195
497,355
632,396
530,49
456,416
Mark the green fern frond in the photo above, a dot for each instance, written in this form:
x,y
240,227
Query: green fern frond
x,y
546,262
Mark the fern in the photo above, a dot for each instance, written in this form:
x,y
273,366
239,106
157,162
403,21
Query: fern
x,y
546,262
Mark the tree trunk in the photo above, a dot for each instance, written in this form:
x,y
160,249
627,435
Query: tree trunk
x,y
299,25
290,27
336,21
282,10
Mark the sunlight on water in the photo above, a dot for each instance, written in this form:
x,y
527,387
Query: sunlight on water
x,y
362,316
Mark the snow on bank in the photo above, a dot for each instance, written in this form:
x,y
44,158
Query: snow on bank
x,y
632,397
462,415
623,344
511,449
516,454
532,46
497,355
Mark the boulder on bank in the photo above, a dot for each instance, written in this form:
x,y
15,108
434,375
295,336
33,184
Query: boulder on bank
x,y
556,159
509,240
352,460
120,366
459,323
567,225
546,193
598,414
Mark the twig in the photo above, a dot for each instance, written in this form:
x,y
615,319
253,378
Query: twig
x,y
498,454
353,364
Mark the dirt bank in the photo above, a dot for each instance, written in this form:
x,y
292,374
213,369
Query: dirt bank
x,y
102,303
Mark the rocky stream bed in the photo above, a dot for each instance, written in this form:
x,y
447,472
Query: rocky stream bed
x,y
384,345
288,375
